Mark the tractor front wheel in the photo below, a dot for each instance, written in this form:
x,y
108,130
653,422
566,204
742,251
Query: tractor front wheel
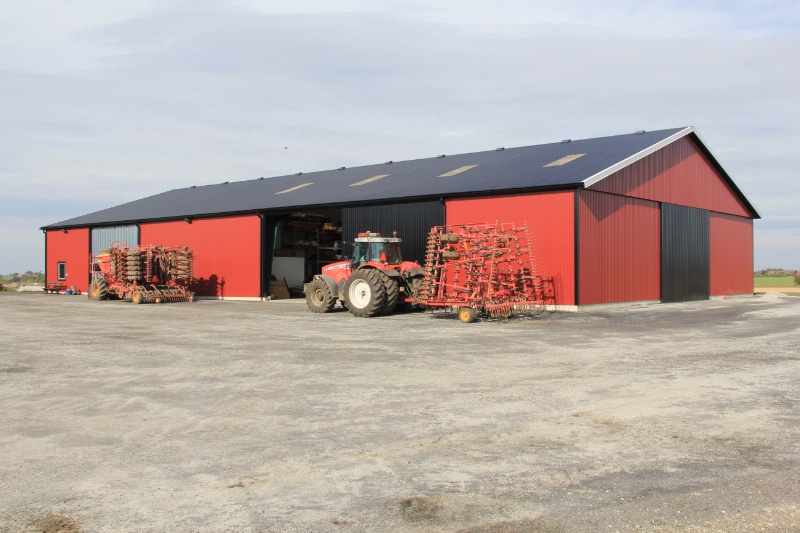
x,y
319,297
99,290
365,292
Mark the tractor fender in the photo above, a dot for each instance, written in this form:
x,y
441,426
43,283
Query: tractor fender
x,y
414,272
391,272
331,283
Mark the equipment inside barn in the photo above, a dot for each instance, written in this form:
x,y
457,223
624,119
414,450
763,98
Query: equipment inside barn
x,y
144,274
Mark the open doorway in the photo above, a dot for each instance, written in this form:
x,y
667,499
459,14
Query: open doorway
x,y
304,243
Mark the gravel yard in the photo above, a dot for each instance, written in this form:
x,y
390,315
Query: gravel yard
x,y
244,416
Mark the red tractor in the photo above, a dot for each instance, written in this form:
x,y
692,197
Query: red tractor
x,y
374,282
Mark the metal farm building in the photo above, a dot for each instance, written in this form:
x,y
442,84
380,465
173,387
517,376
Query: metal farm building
x,y
649,216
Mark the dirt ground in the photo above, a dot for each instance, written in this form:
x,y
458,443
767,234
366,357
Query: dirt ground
x,y
234,416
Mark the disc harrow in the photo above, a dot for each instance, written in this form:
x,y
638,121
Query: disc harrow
x,y
481,268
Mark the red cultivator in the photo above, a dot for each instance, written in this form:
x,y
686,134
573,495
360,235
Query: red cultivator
x,y
488,268
142,273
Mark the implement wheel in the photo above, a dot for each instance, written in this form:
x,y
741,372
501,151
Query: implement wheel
x,y
467,314
98,290
318,296
137,297
365,292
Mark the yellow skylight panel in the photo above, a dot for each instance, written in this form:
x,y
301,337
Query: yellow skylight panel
x,y
290,189
564,160
459,170
369,180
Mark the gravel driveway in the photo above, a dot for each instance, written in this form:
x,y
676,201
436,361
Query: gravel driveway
x,y
243,416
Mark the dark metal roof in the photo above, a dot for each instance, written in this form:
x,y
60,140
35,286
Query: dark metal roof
x,y
496,171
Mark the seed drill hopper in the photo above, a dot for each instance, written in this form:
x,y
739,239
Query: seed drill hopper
x,y
145,274
482,268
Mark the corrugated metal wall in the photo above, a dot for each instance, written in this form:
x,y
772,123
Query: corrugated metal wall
x,y
685,254
550,215
72,248
227,252
620,247
412,222
679,174
731,255
103,237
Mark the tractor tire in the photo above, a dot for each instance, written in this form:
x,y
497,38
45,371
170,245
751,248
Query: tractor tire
x,y
365,292
392,293
319,297
415,290
99,290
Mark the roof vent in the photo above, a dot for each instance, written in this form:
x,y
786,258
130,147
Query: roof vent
x,y
225,182
388,163
299,174
639,132
440,156
194,186
261,178
500,149
341,168
567,141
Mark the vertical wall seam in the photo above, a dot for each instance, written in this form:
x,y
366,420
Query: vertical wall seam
x,y
577,246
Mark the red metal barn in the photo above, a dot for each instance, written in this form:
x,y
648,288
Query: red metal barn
x,y
648,216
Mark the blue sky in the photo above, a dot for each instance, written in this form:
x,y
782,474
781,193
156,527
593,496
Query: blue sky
x,y
106,102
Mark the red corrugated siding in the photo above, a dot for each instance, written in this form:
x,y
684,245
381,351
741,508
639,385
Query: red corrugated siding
x,y
731,255
678,174
551,215
72,248
619,249
226,252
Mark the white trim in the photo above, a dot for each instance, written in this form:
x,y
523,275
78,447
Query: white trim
x,y
591,180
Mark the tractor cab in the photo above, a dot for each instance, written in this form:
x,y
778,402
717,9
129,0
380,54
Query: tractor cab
x,y
372,247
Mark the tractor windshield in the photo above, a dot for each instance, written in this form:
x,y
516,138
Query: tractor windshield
x,y
388,252
391,251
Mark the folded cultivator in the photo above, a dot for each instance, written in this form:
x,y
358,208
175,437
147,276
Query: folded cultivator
x,y
145,274
481,268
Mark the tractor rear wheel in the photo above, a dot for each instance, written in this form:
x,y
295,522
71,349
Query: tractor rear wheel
x,y
319,297
365,292
99,289
392,293
414,290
